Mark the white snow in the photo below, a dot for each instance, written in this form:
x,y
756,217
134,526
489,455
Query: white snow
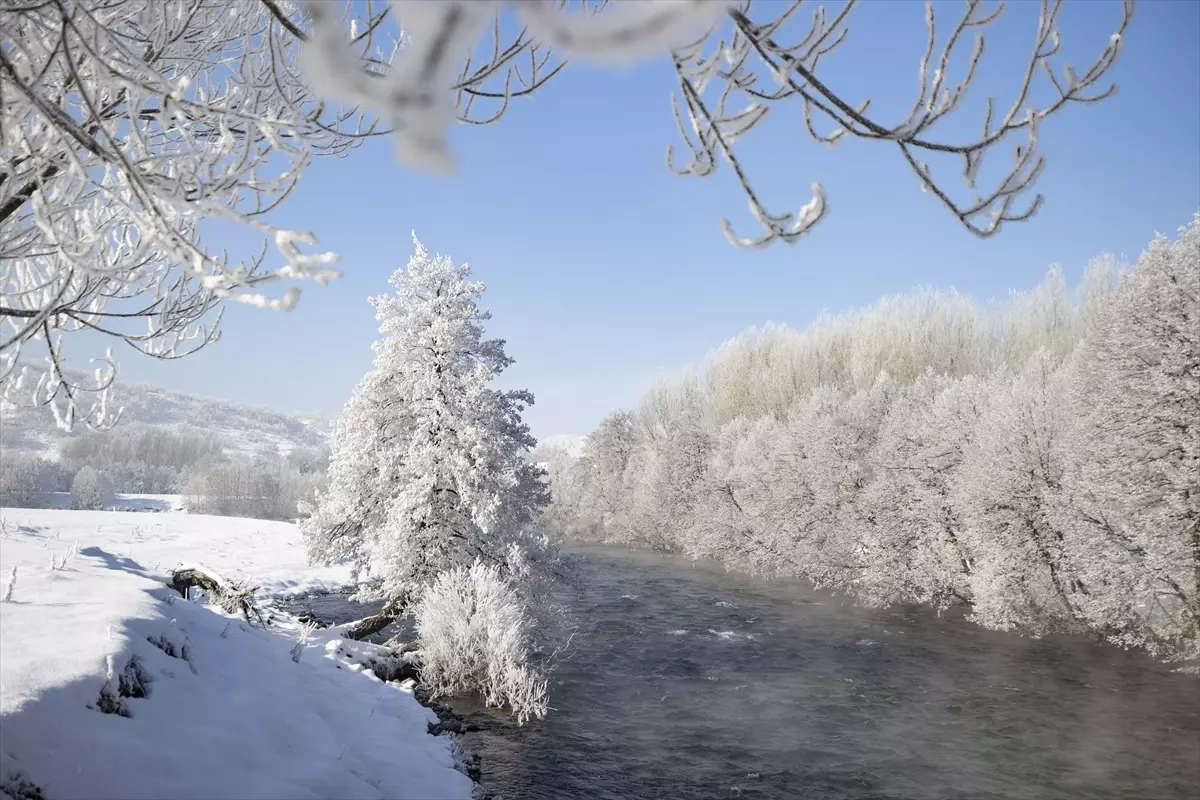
x,y
236,718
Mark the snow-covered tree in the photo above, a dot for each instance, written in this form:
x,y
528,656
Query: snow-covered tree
x,y
249,488
429,469
606,455
91,489
834,440
23,476
432,497
733,521
915,552
1134,512
663,472
1008,487
1042,318
564,473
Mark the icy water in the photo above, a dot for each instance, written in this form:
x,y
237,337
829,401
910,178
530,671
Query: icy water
x,y
694,683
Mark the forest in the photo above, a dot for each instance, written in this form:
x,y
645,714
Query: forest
x,y
213,477
1033,461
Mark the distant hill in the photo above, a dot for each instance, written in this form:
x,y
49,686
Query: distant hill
x,y
243,429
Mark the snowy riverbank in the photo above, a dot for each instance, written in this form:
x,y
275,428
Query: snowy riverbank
x,y
200,705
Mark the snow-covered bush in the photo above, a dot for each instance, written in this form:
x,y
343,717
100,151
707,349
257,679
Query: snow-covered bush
x,y
91,489
563,475
475,637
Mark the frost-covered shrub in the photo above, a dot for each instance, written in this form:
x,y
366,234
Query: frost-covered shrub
x,y
91,489
474,634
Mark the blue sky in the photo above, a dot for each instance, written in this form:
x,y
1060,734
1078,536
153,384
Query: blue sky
x,y
604,270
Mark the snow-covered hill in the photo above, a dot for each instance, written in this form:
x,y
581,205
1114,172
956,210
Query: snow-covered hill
x,y
243,429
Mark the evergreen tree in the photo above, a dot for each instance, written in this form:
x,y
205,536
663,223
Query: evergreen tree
x,y
428,470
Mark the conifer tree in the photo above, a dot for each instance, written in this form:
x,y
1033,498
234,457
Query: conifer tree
x,y
429,469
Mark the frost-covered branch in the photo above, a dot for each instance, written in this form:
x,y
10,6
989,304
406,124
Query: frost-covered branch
x,y
734,62
756,51
122,125
459,63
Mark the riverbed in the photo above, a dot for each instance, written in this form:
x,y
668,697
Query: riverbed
x,y
685,681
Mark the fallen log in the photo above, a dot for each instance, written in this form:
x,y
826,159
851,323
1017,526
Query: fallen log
x,y
233,597
361,629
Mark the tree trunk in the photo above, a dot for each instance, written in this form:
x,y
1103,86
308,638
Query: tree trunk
x,y
233,597
366,626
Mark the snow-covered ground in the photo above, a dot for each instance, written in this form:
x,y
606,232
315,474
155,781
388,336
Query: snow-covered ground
x,y
226,711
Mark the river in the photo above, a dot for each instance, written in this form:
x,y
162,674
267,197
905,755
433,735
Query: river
x,y
689,682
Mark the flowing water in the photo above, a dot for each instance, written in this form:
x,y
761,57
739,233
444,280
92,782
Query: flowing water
x,y
689,682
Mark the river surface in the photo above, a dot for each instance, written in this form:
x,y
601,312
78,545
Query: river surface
x,y
689,682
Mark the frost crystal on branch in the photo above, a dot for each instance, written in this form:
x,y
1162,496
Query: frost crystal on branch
x,y
122,126
734,63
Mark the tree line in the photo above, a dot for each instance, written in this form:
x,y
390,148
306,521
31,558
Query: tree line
x,y
1037,462
145,459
